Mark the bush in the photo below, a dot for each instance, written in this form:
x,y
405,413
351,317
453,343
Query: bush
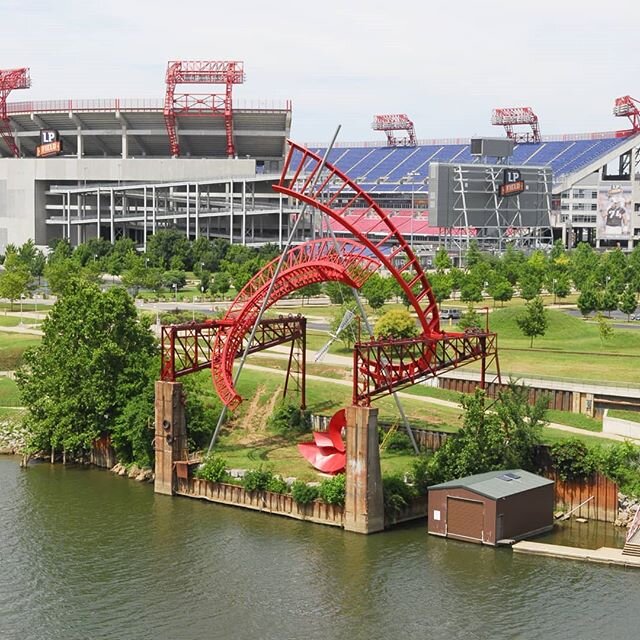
x,y
332,490
277,485
302,493
258,479
399,442
572,459
213,468
396,494
420,475
288,419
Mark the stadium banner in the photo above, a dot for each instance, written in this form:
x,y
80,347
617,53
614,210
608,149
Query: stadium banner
x,y
614,213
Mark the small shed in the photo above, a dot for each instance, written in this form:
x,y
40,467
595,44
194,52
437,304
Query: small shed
x,y
492,506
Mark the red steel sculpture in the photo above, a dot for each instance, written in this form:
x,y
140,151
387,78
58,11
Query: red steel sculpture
x,y
317,261
380,366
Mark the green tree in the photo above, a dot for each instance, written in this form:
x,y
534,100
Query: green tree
x,y
167,244
94,358
533,322
205,280
442,261
134,278
584,266
628,302
608,300
471,290
605,330
587,301
530,284
311,290
396,323
375,290
174,279
221,283
349,335
500,289
14,283
511,264
337,292
504,438
470,320
441,286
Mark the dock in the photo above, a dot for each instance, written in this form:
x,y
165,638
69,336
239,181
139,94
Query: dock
x,y
603,555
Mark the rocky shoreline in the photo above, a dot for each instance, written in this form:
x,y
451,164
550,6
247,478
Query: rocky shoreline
x,y
627,508
13,438
134,472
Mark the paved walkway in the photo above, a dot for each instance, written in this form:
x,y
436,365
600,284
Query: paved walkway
x,y
603,555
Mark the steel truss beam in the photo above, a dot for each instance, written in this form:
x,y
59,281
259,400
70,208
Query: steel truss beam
x,y
10,79
187,348
384,366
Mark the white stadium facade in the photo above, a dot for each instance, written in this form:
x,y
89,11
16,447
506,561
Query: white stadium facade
x,y
117,176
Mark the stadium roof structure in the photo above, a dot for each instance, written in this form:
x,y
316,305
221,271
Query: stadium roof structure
x,y
137,128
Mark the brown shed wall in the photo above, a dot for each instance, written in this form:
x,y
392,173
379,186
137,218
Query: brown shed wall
x,y
438,501
527,512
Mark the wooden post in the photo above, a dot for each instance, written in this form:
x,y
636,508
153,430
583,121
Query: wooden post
x,y
364,506
170,434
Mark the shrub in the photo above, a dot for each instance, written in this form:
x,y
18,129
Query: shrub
x,y
277,485
257,479
396,494
303,493
332,490
399,442
572,459
420,475
288,419
213,469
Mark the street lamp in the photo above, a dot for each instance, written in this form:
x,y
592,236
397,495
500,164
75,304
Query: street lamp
x,y
553,284
175,290
22,296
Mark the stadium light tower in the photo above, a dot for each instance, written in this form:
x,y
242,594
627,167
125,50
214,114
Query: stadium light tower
x,y
508,117
389,123
201,72
11,79
629,107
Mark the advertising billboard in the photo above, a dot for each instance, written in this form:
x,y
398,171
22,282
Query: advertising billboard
x,y
614,212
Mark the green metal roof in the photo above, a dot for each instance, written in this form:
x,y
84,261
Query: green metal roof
x,y
497,484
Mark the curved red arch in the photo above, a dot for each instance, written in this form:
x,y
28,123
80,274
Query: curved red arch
x,y
316,261
343,189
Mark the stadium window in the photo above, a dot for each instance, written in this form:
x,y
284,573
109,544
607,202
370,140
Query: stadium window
x,y
578,193
594,206
578,206
594,194
565,206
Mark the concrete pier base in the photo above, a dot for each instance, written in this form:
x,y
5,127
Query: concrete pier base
x,y
364,506
170,434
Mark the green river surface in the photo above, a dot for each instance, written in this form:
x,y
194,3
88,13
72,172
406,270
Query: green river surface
x,y
87,555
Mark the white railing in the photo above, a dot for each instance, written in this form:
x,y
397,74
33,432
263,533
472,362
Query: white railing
x,y
129,104
635,526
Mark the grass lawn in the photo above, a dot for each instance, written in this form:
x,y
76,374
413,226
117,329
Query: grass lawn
x,y
14,320
12,346
621,414
574,420
9,396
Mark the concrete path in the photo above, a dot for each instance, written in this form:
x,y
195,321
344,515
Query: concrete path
x,y
603,555
25,328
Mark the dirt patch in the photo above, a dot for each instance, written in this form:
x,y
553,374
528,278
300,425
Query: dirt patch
x,y
253,424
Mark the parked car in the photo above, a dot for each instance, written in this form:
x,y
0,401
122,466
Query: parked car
x,y
450,314
636,316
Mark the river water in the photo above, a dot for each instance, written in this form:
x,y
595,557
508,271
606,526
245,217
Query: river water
x,y
88,555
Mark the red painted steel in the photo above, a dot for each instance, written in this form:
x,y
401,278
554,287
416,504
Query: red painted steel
x,y
389,123
337,203
186,348
510,116
328,452
198,104
309,263
629,107
11,79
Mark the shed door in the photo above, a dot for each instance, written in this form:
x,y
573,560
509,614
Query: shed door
x,y
465,518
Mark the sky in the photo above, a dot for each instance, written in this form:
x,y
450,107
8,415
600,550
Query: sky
x,y
446,64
